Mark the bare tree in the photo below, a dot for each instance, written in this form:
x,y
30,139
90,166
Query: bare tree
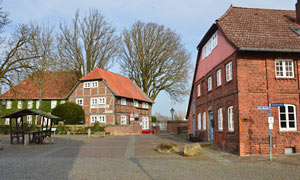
x,y
155,59
42,42
88,42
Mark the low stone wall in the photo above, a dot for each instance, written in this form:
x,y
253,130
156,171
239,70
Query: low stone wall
x,y
173,126
123,130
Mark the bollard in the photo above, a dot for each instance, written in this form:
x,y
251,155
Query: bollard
x,y
26,139
89,132
68,135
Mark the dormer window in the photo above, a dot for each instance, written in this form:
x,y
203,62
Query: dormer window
x,y
209,46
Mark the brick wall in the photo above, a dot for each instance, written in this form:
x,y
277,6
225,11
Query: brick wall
x,y
174,125
258,86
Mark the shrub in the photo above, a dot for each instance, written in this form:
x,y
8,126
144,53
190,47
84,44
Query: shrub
x,y
62,129
153,119
96,127
69,112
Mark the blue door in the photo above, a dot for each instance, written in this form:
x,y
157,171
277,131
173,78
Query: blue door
x,y
194,127
211,118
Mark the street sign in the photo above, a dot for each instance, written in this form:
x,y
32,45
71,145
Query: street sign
x,y
277,104
131,115
263,108
270,125
270,120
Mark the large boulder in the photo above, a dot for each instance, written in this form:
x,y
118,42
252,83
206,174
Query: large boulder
x,y
192,149
167,148
48,140
98,134
1,146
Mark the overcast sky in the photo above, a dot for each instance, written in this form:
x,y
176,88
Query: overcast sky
x,y
190,18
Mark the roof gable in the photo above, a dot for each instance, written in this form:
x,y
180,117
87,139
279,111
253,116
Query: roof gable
x,y
120,85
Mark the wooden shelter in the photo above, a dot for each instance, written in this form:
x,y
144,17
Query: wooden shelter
x,y
17,132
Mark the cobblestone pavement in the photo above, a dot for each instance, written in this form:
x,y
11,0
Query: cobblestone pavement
x,y
134,157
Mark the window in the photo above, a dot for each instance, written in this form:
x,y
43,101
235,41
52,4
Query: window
x,y
79,101
20,104
145,123
230,119
92,84
135,103
123,120
29,119
145,105
199,121
29,104
98,101
37,104
229,71
7,121
209,84
8,104
210,45
123,101
53,104
219,80
62,102
198,90
220,119
284,68
204,120
98,118
287,117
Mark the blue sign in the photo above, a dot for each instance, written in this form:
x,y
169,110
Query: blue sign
x,y
263,108
277,104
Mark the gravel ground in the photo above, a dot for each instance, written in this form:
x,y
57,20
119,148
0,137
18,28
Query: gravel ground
x,y
123,158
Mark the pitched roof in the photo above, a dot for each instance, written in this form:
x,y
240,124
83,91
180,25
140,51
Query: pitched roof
x,y
56,85
260,28
121,85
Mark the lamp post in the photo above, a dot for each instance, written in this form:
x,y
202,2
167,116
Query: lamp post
x,y
172,113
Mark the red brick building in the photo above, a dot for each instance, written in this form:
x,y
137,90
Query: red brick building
x,y
109,99
248,58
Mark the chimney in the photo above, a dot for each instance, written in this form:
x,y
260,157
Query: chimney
x,y
298,12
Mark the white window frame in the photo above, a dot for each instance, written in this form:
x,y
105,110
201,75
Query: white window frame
x,y
94,84
210,45
29,104
53,104
86,85
37,105
145,123
8,104
209,83
123,101
123,120
20,105
230,119
98,118
284,68
62,102
79,101
287,118
198,90
136,103
29,119
204,121
220,119
219,77
7,121
199,121
228,71
145,105
98,101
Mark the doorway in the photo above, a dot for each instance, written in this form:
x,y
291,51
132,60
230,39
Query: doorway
x,y
211,126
